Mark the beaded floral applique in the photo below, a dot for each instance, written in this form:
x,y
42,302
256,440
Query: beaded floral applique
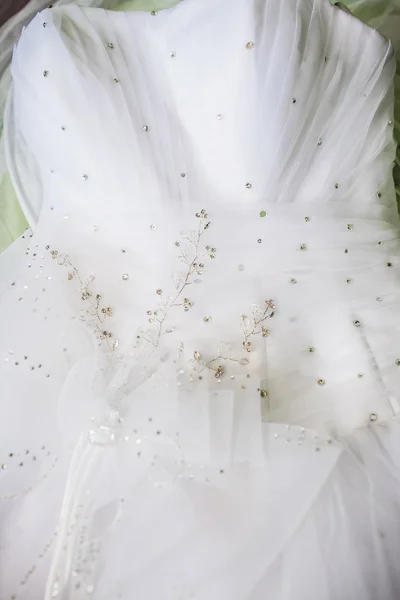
x,y
95,315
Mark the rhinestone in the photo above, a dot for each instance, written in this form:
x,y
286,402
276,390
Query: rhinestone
x,y
390,122
389,264
45,73
249,185
110,45
348,280
293,280
125,276
379,299
173,54
241,267
356,323
398,362
219,372
303,247
116,80
152,227
350,226
123,250
159,292
311,349
44,24
4,466
263,393
219,116
336,186
250,45
360,375
62,127
196,356
319,142
207,319
379,195
307,219
154,13
294,100
373,417
259,241
146,128
321,382
85,177
263,213
183,175
346,250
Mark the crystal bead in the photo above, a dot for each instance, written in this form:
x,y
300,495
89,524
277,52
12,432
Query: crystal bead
x,y
303,247
45,73
398,362
125,276
321,382
356,323
110,45
263,213
207,319
146,128
250,45
373,417
249,185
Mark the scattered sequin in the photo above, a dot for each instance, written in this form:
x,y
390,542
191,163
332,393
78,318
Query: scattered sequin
x,y
373,417
116,80
303,247
207,319
45,73
249,185
263,213
154,13
321,382
350,226
183,175
336,186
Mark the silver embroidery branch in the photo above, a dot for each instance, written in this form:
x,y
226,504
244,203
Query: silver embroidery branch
x,y
251,328
192,257
96,313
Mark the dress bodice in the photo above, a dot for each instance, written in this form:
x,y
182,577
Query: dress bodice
x,y
279,138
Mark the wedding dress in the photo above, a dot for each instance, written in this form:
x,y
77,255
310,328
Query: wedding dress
x,y
200,340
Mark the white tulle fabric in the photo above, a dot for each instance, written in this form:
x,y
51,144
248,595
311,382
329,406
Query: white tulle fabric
x,y
194,165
